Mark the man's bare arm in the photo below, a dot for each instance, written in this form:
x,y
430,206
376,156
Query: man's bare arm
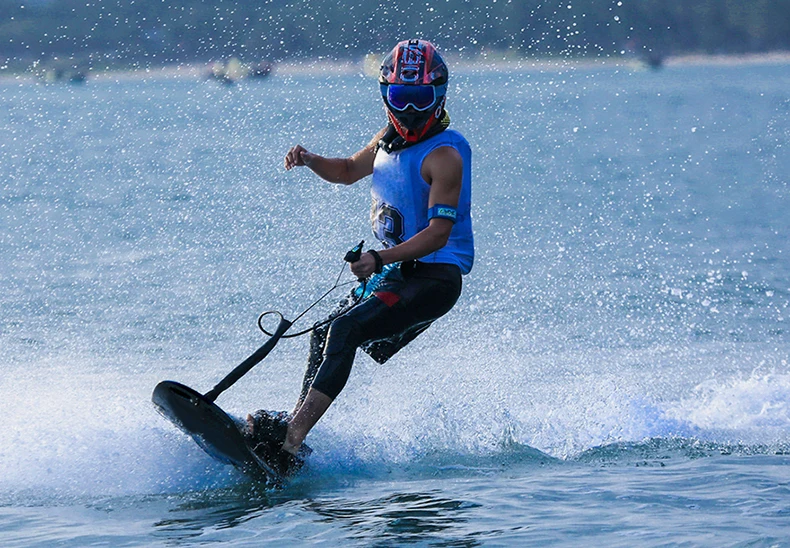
x,y
343,171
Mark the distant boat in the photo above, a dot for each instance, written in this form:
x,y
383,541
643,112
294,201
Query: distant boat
x,y
371,64
71,75
261,70
224,73
234,70
78,77
654,60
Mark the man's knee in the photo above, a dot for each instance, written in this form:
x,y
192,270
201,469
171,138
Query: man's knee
x,y
341,346
344,335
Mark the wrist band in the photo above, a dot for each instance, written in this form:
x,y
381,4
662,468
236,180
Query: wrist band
x,y
377,258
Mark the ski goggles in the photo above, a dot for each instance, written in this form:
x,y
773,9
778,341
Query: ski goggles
x,y
400,97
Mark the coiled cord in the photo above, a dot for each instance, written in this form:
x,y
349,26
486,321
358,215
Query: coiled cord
x,y
331,318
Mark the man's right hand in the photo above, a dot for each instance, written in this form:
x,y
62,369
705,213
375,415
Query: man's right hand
x,y
298,156
335,170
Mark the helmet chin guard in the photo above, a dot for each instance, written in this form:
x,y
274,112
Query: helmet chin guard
x,y
412,126
414,63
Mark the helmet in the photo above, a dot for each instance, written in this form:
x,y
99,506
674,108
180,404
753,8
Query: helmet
x,y
413,81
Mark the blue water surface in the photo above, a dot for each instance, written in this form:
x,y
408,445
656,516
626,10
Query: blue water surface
x,y
616,370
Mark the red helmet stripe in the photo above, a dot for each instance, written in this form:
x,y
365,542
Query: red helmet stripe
x,y
427,64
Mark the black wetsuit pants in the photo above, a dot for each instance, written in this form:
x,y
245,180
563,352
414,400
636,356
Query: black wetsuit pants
x,y
403,306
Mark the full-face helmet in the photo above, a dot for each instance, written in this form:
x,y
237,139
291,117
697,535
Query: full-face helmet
x,y
413,81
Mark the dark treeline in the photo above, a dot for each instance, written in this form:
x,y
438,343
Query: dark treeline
x,y
156,32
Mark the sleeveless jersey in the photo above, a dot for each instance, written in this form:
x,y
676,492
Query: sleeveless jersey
x,y
400,199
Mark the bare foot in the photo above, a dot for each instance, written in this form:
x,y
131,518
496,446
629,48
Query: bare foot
x,y
250,427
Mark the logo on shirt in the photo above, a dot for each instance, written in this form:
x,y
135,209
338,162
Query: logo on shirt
x,y
387,224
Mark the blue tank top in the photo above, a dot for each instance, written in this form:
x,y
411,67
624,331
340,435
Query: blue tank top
x,y
400,199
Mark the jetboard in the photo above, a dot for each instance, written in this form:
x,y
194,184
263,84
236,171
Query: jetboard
x,y
216,432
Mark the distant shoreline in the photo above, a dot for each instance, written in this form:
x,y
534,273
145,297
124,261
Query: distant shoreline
x,y
624,61
494,62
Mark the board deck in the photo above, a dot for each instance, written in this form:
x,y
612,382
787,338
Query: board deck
x,y
216,432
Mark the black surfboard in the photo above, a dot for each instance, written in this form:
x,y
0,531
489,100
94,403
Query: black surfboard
x,y
213,429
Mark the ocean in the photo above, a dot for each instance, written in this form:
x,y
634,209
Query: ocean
x,y
615,372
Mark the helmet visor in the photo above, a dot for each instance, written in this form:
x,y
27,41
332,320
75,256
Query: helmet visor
x,y
400,97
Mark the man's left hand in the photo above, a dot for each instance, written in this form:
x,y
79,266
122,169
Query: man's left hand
x,y
364,267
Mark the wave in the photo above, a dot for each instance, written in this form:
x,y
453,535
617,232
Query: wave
x,y
663,450
744,414
70,435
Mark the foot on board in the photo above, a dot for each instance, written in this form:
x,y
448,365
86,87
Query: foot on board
x,y
265,433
